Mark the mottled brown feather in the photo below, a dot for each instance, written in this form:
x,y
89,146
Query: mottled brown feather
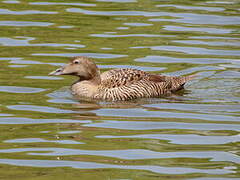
x,y
120,77
157,78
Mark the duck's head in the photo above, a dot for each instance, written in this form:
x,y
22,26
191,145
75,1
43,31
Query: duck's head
x,y
80,66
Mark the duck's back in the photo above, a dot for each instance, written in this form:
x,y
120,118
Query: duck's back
x,y
126,84
121,77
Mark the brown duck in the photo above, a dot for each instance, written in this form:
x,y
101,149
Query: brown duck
x,y
118,84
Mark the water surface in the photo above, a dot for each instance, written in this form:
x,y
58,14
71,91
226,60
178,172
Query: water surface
x,y
192,135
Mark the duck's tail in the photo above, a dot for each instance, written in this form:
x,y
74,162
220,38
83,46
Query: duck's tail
x,y
179,81
190,77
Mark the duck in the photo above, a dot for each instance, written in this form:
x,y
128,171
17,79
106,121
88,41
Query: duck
x,y
120,84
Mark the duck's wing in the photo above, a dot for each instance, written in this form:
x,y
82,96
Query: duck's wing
x,y
174,83
121,77
126,84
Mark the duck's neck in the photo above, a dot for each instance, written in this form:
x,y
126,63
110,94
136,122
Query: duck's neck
x,y
94,80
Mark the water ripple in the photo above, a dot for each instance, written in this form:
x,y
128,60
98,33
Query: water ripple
x,y
6,11
135,112
138,24
21,61
149,125
24,41
181,17
220,2
143,68
191,134
204,8
130,154
11,2
118,1
198,29
40,140
17,89
65,4
24,23
197,107
129,35
218,178
191,18
208,43
214,37
183,138
44,109
43,77
19,120
4,114
17,66
114,13
68,132
167,59
194,50
93,55
91,165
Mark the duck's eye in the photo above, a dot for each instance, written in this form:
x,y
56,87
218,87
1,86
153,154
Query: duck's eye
x,y
76,62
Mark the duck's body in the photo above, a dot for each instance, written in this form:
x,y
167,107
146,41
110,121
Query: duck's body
x,y
118,84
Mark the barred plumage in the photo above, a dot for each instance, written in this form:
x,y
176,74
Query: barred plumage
x,y
118,84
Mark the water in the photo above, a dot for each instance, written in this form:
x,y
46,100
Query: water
x,y
47,134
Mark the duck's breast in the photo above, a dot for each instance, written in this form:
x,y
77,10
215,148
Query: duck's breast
x,y
84,89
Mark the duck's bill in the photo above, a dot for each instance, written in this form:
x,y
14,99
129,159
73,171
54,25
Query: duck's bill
x,y
57,72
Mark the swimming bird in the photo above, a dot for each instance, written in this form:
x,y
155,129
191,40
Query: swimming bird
x,y
118,84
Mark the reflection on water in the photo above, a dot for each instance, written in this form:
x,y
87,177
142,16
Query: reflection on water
x,y
127,154
211,43
211,9
128,35
39,140
193,50
6,11
15,89
46,132
198,29
24,41
168,59
44,77
93,55
150,125
65,4
91,165
183,139
24,23
11,2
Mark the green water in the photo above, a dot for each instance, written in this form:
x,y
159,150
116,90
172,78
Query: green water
x,y
46,134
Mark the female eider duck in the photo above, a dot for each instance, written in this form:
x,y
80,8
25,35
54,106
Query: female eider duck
x,y
118,84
